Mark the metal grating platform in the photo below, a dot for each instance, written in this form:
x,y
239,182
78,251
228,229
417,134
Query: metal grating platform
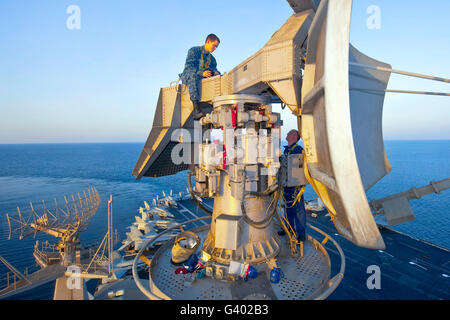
x,y
305,277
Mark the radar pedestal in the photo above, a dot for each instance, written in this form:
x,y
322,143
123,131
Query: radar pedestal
x,y
241,255
231,238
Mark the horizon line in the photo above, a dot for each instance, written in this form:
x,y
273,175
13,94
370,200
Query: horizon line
x,y
143,142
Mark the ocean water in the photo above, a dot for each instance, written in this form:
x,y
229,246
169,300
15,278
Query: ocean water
x,y
36,172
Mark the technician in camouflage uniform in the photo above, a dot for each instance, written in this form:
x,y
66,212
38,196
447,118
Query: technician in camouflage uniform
x,y
200,64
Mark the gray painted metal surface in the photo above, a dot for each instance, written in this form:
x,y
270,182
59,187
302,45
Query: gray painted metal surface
x,y
303,5
342,158
43,276
304,278
366,110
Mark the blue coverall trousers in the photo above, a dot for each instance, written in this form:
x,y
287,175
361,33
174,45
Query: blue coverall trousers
x,y
192,81
295,214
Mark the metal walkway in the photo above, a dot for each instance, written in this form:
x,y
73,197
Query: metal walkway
x,y
34,280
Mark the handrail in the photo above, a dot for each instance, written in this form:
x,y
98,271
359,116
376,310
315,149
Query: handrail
x,y
405,73
333,282
141,287
14,270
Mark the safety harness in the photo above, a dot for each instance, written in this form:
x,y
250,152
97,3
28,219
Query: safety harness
x,y
203,64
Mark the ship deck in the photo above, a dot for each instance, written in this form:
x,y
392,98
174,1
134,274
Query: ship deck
x,y
409,268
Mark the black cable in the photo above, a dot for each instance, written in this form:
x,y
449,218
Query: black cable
x,y
264,222
194,196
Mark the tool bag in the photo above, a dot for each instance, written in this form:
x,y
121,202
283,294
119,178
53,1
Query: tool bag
x,y
186,243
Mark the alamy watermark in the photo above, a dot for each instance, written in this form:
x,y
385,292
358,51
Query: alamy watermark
x,y
374,20
239,147
374,280
73,281
73,22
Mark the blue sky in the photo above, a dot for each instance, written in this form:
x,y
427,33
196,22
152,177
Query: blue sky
x,y
101,83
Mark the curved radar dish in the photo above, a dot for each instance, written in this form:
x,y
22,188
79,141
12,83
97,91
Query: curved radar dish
x,y
341,124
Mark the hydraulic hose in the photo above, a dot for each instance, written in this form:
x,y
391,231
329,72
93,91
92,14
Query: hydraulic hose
x,y
194,196
263,223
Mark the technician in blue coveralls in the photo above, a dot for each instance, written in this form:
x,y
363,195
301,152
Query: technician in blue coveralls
x,y
200,64
293,196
